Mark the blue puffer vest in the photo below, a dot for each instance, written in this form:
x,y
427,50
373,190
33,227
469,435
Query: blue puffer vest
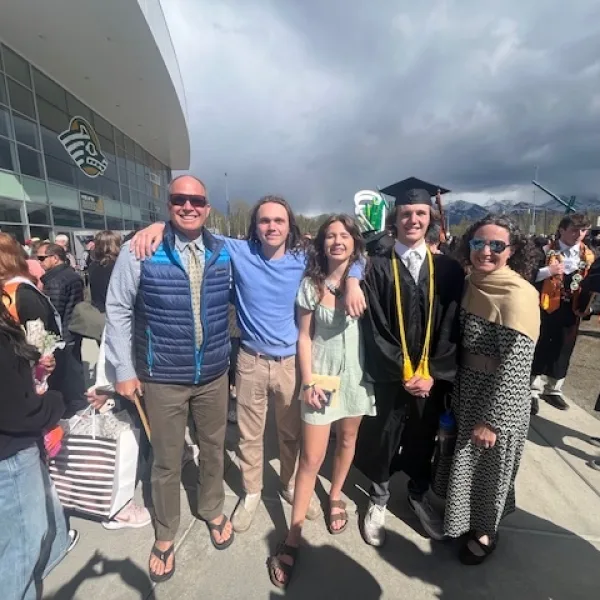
x,y
165,347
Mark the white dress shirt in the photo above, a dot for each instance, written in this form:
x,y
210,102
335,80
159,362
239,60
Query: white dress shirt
x,y
420,253
571,261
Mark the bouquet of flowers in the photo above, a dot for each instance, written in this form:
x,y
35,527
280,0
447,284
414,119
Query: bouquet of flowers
x,y
46,344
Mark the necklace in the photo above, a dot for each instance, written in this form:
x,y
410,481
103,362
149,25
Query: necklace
x,y
334,289
408,370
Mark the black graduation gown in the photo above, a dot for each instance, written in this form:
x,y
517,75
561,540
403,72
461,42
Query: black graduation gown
x,y
558,331
404,421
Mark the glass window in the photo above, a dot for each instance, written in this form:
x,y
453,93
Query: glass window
x,y
128,225
89,184
103,127
49,90
10,211
59,171
1,63
119,138
5,124
7,155
51,117
16,67
135,213
17,231
125,195
63,196
112,208
135,197
123,175
52,145
109,188
30,161
38,214
92,221
121,157
107,147
44,233
129,146
3,95
111,172
139,168
126,211
26,131
130,163
77,109
65,217
35,190
21,98
114,224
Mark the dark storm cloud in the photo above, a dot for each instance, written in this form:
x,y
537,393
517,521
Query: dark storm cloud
x,y
316,100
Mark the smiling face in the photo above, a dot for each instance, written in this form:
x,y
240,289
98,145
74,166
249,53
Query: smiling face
x,y
486,243
187,218
573,235
338,244
272,225
412,222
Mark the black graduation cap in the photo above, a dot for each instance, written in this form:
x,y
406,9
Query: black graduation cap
x,y
410,191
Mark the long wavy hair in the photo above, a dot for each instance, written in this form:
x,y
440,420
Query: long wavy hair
x,y
12,330
107,245
524,257
317,264
294,238
13,260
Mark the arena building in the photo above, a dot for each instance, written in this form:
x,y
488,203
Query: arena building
x,y
92,116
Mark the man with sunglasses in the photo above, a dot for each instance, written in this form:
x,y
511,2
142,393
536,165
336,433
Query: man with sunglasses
x,y
172,309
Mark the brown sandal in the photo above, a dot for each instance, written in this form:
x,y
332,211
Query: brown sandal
x,y
342,516
274,562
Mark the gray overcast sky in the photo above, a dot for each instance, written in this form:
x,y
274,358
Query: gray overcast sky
x,y
317,99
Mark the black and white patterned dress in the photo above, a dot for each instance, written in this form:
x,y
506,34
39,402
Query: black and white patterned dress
x,y
481,487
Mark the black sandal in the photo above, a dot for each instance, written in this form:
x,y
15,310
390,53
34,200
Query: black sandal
x,y
219,528
273,563
164,558
342,516
468,557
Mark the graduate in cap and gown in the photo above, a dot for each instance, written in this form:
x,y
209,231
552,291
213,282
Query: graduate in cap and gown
x,y
411,332
565,265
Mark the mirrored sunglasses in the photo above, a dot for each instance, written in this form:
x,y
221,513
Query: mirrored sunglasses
x,y
496,246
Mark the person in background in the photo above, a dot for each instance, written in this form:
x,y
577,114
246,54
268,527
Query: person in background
x,y
35,536
500,324
107,245
62,240
410,334
565,264
33,264
432,238
330,345
64,287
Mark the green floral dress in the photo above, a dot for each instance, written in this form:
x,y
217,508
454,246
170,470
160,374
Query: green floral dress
x,y
337,349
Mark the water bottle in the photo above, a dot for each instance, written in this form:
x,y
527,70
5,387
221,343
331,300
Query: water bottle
x,y
447,434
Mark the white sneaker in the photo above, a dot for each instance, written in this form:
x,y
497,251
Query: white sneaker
x,y
373,529
131,516
431,520
244,512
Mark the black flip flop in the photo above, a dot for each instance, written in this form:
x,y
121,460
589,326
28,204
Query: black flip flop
x,y
163,557
468,557
219,528
273,563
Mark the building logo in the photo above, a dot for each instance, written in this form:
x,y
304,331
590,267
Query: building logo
x,y
83,146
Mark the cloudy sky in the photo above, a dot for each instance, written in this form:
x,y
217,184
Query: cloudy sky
x,y
317,99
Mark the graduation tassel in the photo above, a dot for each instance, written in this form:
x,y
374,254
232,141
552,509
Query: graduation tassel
x,y
408,371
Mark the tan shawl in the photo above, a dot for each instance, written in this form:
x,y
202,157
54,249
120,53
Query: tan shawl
x,y
505,298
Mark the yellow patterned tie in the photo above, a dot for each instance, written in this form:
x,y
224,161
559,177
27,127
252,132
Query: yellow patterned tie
x,y
195,274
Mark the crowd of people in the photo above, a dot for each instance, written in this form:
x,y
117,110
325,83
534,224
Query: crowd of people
x,y
420,357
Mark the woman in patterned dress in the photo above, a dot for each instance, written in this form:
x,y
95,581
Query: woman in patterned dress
x,y
329,348
500,322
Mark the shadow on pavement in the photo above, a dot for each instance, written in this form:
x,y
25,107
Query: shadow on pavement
x,y
326,572
538,561
98,566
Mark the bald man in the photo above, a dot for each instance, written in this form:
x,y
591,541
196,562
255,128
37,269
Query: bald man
x,y
173,309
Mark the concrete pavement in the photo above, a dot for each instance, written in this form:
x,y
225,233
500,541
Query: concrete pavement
x,y
550,548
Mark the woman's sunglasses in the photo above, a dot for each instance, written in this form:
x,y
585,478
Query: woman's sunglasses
x,y
195,200
496,246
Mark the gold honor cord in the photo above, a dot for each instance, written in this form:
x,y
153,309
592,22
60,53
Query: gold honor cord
x,y
408,370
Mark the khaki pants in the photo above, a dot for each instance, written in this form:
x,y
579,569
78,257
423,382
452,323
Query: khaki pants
x,y
168,407
257,381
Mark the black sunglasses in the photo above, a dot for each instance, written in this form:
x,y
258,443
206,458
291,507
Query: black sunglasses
x,y
41,258
195,200
496,246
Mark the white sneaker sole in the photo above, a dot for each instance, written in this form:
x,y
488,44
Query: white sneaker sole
x,y
115,525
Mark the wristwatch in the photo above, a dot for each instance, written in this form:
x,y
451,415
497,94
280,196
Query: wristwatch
x,y
307,386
